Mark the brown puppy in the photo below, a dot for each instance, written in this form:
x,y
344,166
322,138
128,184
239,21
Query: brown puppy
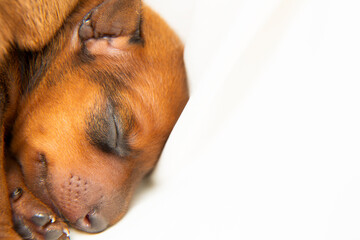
x,y
92,113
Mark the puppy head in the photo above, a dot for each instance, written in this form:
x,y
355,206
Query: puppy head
x,y
96,116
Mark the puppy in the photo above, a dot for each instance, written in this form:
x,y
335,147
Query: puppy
x,y
88,115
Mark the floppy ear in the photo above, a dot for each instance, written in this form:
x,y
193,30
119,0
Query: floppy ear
x,y
113,24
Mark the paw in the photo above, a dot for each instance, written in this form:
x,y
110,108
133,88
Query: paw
x,y
34,220
112,18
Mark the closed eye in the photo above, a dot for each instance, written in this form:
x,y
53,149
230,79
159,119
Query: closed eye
x,y
105,132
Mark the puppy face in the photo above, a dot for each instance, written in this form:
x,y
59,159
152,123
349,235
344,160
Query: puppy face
x,y
96,116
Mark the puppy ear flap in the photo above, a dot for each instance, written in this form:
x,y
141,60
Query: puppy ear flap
x,y
113,24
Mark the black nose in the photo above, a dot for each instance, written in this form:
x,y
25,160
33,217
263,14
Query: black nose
x,y
93,222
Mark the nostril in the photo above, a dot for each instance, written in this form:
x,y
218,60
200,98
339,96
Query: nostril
x,y
87,220
93,222
88,217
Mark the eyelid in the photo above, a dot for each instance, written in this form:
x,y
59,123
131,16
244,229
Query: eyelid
x,y
117,134
120,145
104,131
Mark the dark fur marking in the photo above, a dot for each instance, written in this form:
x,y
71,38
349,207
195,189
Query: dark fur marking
x,y
84,55
24,69
4,98
34,67
137,36
34,81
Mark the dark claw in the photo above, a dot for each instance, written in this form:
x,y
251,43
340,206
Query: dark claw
x,y
25,232
41,219
53,234
16,194
22,229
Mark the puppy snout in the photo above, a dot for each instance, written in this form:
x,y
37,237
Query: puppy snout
x,y
79,202
93,222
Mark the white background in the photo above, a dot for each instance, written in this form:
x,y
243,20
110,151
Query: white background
x,y
268,146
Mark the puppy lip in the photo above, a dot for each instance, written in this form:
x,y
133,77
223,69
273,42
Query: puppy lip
x,y
43,181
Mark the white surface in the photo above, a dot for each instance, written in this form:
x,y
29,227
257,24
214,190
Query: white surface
x,y
268,146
